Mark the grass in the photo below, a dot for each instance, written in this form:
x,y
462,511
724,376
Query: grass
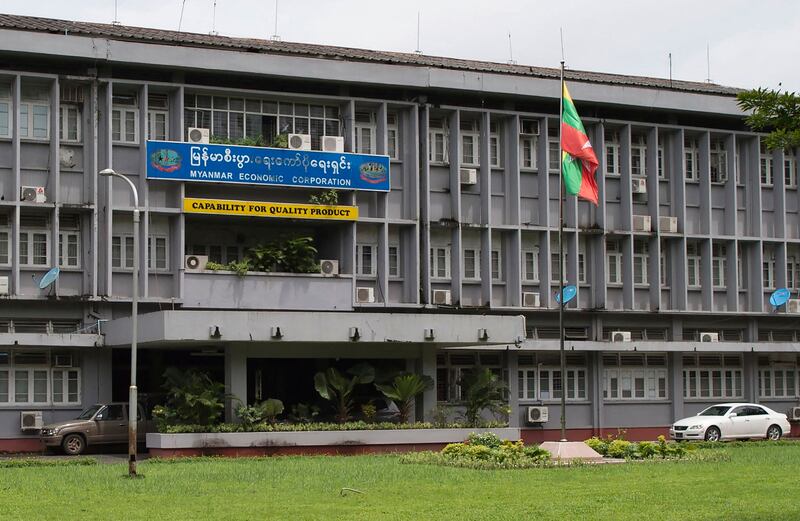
x,y
756,482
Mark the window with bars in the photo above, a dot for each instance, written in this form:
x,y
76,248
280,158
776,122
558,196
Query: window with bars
x,y
719,261
719,162
768,267
613,261
394,261
691,159
365,129
693,264
712,376
125,118
69,123
777,376
612,153
641,257
635,376
366,260
530,265
472,264
440,262
437,141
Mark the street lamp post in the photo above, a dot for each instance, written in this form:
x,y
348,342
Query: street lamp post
x,y
133,406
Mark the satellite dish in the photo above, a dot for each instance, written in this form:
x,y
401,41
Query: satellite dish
x,y
779,297
49,278
569,293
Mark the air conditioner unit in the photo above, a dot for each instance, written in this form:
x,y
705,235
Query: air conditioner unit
x,y
792,305
538,414
299,141
531,299
641,223
621,336
365,295
709,336
332,144
195,263
794,414
329,267
62,361
198,135
468,176
668,224
30,420
32,194
441,297
4,285
639,186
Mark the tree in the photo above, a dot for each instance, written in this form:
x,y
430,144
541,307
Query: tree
x,y
338,388
481,389
403,389
775,112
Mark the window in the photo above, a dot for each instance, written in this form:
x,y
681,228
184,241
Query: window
x,y
34,112
122,251
613,262
766,166
530,265
553,154
547,374
66,386
34,247
719,162
527,383
497,269
157,117
69,247
440,262
437,141
664,261
769,268
125,119
394,261
237,118
554,274
719,259
692,265
528,138
631,376
690,155
790,171
27,379
157,259
777,377
792,271
393,150
662,173
712,376
5,110
219,253
365,132
69,123
612,153
741,261
640,260
494,145
450,367
5,234
639,156
366,260
472,264
470,143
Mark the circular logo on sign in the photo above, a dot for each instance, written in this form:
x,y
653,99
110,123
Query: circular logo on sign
x,y
165,160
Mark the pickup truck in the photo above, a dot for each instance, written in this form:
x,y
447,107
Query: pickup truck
x,y
99,424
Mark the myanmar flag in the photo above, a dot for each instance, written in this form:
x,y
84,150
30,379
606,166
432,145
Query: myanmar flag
x,y
578,162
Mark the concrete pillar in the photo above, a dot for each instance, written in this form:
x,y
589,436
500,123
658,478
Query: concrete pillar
x,y
235,379
427,367
750,377
596,390
675,374
513,389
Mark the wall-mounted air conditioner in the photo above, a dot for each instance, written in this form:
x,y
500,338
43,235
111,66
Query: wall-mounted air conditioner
x,y
30,420
195,263
468,176
621,336
530,299
639,186
668,224
198,135
794,414
793,305
709,336
365,295
32,194
641,223
332,144
299,142
329,267
441,297
4,285
538,414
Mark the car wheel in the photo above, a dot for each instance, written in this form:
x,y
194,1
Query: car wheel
x,y
712,434
774,433
73,444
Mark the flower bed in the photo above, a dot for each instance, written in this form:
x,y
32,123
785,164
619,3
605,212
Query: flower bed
x,y
320,426
619,448
485,451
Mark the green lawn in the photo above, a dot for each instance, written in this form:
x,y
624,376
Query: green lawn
x,y
758,483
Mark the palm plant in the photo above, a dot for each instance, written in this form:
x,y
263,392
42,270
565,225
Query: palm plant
x,y
337,388
403,389
481,390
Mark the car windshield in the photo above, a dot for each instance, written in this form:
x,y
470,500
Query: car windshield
x,y
715,410
88,413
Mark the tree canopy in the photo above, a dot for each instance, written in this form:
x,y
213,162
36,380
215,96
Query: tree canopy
x,y
775,112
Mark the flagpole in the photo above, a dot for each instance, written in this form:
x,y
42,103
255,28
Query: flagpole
x,y
561,262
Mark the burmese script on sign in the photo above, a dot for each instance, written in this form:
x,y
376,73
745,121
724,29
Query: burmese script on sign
x,y
264,209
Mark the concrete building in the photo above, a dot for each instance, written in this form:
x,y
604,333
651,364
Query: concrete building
x,y
454,266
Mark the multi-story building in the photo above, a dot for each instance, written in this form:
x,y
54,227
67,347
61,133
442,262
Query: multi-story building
x,y
453,267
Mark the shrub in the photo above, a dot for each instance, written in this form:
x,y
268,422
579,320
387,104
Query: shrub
x,y
369,411
620,449
646,449
266,411
598,445
194,398
310,426
487,439
487,451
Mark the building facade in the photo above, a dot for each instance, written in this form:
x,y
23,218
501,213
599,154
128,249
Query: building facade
x,y
455,266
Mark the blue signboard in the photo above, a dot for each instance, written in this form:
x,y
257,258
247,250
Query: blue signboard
x,y
177,161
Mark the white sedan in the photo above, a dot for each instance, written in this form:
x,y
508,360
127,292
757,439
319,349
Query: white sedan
x,y
730,421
